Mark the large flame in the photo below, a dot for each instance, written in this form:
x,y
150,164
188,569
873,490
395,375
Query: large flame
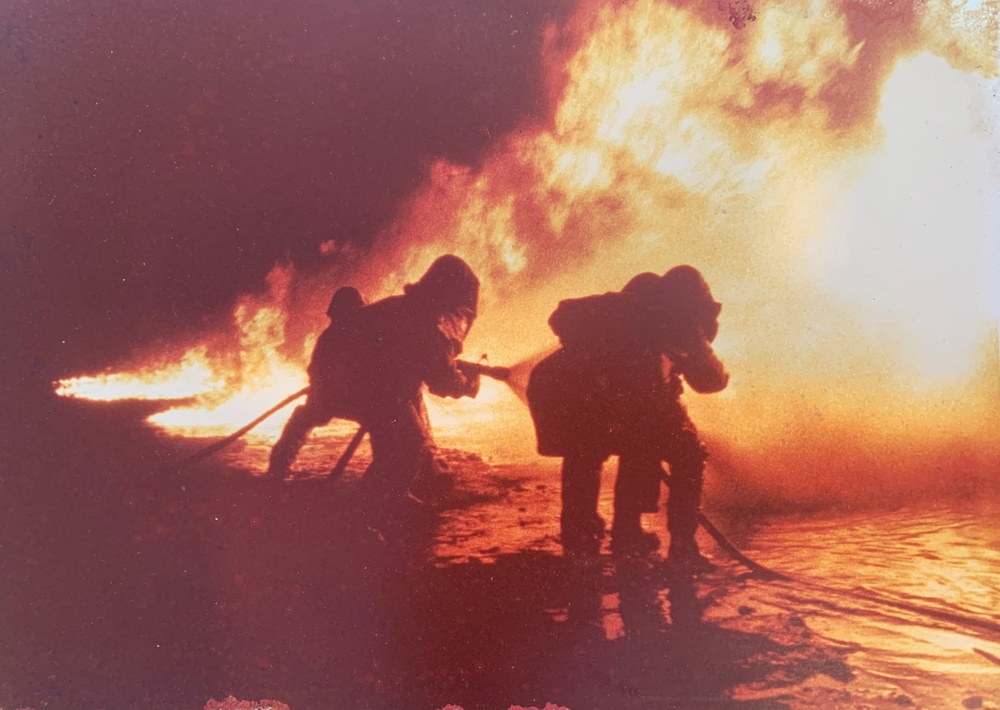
x,y
192,376
228,388
825,167
261,374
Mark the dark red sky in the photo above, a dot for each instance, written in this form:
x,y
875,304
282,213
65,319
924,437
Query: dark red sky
x,y
156,159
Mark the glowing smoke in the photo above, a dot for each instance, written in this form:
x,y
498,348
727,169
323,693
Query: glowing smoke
x,y
824,166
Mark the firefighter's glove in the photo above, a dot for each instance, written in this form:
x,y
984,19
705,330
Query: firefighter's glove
x,y
472,386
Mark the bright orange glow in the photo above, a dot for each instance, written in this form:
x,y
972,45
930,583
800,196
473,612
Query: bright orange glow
x,y
227,390
855,258
191,377
261,376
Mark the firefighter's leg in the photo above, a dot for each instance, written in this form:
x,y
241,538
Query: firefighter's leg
x,y
402,449
431,479
402,452
580,526
637,490
683,505
687,465
303,420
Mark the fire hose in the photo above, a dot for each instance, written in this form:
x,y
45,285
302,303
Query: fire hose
x,y
469,368
239,433
960,617
501,374
726,545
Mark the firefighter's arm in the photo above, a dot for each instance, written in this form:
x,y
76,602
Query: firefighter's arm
x,y
444,376
702,369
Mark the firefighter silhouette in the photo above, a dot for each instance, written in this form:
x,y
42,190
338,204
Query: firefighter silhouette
x,y
372,362
614,387
400,345
328,381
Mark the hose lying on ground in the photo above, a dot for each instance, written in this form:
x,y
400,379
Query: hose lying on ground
x,y
223,443
957,617
498,373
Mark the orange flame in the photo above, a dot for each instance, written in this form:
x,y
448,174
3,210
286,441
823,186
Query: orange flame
x,y
855,260
191,377
846,230
261,376
228,390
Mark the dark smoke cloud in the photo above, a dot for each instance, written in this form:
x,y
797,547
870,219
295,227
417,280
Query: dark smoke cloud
x,y
156,159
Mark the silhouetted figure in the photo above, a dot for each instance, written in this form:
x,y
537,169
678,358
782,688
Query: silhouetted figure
x,y
576,397
614,388
400,344
328,381
682,318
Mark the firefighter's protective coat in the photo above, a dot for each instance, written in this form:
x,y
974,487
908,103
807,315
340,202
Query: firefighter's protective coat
x,y
616,380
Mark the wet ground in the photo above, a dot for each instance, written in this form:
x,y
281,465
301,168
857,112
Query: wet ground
x,y
127,585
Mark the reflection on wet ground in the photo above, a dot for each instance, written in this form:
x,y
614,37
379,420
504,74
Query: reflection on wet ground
x,y
915,591
165,590
377,626
907,598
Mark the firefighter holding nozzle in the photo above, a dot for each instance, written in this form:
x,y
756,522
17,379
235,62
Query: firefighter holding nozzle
x,y
372,363
403,343
614,387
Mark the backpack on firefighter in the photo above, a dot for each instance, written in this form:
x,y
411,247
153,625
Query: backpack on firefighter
x,y
616,378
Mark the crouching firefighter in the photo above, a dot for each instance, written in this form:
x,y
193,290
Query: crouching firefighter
x,y
329,382
681,317
614,387
371,366
400,345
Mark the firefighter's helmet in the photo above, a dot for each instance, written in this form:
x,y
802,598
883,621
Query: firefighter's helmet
x,y
449,286
346,300
691,299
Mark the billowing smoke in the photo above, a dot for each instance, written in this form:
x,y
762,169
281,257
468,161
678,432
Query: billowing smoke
x,y
825,166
